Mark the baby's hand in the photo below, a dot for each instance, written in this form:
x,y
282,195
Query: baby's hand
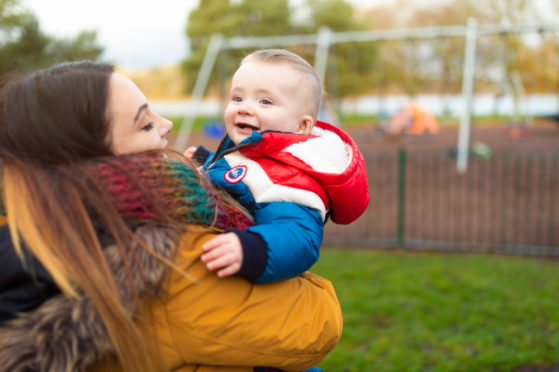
x,y
189,152
223,252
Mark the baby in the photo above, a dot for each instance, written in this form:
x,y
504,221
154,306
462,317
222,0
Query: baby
x,y
290,171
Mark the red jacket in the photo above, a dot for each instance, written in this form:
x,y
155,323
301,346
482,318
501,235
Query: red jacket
x,y
333,169
290,183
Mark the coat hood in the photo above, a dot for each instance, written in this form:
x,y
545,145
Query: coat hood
x,y
67,334
330,156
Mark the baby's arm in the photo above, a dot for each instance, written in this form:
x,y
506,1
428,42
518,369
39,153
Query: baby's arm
x,y
190,151
224,252
292,234
284,243
199,154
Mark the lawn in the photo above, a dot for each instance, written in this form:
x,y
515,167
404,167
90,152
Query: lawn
x,y
406,311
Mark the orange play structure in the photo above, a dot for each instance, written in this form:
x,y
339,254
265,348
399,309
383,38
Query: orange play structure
x,y
413,119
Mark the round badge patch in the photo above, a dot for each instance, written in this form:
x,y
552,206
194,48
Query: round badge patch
x,y
235,175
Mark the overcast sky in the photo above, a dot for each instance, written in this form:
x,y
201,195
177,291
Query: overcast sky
x,y
135,33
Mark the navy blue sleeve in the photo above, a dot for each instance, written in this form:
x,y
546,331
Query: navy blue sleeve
x,y
255,255
201,155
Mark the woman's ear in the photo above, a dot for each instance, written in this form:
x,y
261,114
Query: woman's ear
x,y
305,125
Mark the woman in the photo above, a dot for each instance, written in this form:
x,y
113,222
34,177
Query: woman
x,y
120,235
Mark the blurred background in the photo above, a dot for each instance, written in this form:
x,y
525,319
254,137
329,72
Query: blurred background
x,y
455,107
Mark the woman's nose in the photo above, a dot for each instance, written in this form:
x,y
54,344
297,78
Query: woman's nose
x,y
165,126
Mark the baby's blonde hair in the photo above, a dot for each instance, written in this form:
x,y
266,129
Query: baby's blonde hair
x,y
284,56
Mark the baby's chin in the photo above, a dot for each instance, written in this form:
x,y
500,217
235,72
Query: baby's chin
x,y
238,138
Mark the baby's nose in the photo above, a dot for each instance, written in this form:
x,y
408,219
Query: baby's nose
x,y
246,108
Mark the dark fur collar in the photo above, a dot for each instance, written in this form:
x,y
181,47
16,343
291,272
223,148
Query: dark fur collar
x,y
67,334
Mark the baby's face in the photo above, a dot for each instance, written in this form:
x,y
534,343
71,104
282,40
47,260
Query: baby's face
x,y
268,96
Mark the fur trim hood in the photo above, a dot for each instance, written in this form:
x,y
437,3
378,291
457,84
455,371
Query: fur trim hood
x,y
67,334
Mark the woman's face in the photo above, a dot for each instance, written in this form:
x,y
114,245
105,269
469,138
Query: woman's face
x,y
134,126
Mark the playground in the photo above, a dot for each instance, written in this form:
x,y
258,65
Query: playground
x,y
406,306
507,201
417,309
542,136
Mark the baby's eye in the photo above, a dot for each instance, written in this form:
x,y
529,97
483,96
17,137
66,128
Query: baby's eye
x,y
237,99
265,101
147,127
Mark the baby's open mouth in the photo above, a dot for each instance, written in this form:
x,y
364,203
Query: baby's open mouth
x,y
246,126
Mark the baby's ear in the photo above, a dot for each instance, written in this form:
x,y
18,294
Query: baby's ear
x,y
305,125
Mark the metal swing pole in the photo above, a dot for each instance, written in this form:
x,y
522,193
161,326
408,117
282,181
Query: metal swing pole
x,y
321,54
467,93
199,88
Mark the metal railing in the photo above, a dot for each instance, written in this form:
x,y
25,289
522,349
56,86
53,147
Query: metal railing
x,y
508,203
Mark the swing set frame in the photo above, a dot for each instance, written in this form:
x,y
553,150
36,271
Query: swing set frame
x,y
326,38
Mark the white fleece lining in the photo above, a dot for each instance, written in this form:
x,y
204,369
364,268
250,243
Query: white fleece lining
x,y
264,190
327,153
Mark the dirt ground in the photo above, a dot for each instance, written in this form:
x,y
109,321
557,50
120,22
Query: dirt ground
x,y
505,201
541,135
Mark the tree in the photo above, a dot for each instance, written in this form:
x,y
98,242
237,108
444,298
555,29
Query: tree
x,y
349,63
245,18
336,14
437,64
23,46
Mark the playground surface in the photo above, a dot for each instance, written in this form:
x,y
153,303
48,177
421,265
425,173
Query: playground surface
x,y
541,136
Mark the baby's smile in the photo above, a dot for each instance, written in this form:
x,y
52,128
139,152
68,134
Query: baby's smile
x,y
246,126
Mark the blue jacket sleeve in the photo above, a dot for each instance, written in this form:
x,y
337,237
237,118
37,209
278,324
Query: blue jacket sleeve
x,y
293,235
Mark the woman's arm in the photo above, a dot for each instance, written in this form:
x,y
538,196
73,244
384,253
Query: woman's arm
x,y
204,319
199,320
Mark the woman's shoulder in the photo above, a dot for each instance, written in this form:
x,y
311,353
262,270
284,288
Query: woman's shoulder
x,y
247,318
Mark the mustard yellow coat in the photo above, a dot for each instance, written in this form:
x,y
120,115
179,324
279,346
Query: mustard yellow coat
x,y
206,323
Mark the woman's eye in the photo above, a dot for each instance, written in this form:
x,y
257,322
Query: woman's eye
x,y
147,127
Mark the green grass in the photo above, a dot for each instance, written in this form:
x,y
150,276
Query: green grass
x,y
407,311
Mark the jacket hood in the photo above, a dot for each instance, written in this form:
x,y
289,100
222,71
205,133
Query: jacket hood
x,y
330,156
67,334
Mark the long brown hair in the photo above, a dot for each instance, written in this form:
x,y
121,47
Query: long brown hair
x,y
51,122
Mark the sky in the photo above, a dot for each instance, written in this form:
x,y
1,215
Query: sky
x,y
135,34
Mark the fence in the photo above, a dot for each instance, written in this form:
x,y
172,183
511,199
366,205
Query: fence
x,y
508,203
